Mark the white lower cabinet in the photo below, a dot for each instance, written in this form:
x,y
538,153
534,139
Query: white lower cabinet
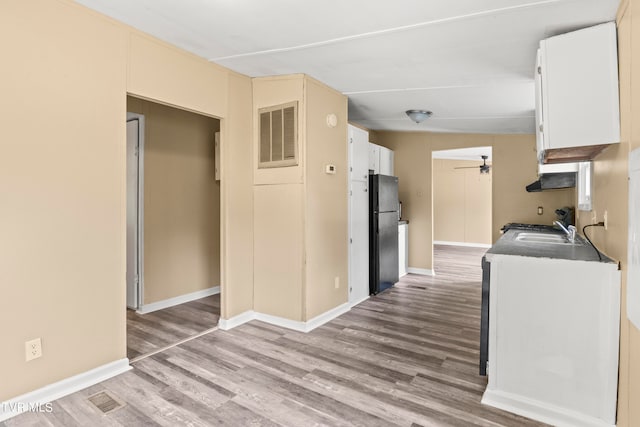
x,y
553,339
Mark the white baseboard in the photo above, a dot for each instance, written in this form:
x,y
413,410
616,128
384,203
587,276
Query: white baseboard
x,y
421,271
541,411
353,304
296,325
326,317
469,245
240,319
181,299
37,399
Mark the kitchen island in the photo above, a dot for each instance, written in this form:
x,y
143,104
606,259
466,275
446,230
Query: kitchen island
x,y
553,329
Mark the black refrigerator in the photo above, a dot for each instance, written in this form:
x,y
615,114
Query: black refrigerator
x,y
383,232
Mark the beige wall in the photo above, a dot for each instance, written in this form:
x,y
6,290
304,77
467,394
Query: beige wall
x,y
611,195
181,201
326,228
461,202
300,220
62,177
279,250
237,200
513,167
62,181
278,197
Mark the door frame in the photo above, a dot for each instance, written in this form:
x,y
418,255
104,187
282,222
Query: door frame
x,y
140,214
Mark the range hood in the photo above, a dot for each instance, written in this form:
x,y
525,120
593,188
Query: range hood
x,y
554,176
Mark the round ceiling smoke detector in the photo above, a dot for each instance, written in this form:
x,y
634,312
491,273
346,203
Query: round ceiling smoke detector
x,y
418,115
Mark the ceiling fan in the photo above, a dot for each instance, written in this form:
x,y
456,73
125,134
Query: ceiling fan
x,y
484,167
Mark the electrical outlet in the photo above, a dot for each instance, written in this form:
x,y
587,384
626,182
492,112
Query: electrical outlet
x,y
606,223
33,349
336,282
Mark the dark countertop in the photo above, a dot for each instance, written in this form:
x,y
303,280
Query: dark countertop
x,y
580,251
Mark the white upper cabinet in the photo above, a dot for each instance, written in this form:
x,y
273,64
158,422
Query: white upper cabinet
x,y
577,107
358,154
380,159
386,161
374,158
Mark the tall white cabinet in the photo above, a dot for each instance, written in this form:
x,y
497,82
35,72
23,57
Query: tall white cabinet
x,y
359,165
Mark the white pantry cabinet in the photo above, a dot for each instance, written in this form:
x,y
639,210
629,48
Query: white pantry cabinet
x,y
577,107
358,215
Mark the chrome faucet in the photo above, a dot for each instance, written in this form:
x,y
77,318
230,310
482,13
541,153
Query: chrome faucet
x,y
569,231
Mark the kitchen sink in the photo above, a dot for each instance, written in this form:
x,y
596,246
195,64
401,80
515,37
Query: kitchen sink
x,y
554,239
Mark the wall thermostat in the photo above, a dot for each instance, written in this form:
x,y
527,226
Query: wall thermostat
x,y
331,169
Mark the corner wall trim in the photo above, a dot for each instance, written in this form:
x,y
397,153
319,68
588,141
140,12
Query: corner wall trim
x,y
296,325
181,299
421,271
38,398
469,245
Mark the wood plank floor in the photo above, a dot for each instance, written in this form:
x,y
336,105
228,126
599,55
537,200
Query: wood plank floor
x,y
149,332
406,357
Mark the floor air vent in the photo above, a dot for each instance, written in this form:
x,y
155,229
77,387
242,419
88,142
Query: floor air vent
x,y
105,402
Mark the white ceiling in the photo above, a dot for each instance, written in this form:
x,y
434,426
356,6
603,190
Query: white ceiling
x,y
471,62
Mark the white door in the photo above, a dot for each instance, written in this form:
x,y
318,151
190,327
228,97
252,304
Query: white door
x,y
135,128
358,242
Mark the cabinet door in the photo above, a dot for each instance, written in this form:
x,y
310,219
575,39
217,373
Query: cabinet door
x,y
386,161
374,158
358,154
539,105
580,88
358,242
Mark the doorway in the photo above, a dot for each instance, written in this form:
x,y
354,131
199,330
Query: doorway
x,y
462,197
135,188
173,226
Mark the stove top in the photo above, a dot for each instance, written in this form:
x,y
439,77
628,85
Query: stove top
x,y
529,227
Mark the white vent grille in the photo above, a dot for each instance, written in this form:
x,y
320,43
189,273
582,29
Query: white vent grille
x,y
278,136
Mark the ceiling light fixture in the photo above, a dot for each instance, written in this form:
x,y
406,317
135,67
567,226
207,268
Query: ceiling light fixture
x,y
418,115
